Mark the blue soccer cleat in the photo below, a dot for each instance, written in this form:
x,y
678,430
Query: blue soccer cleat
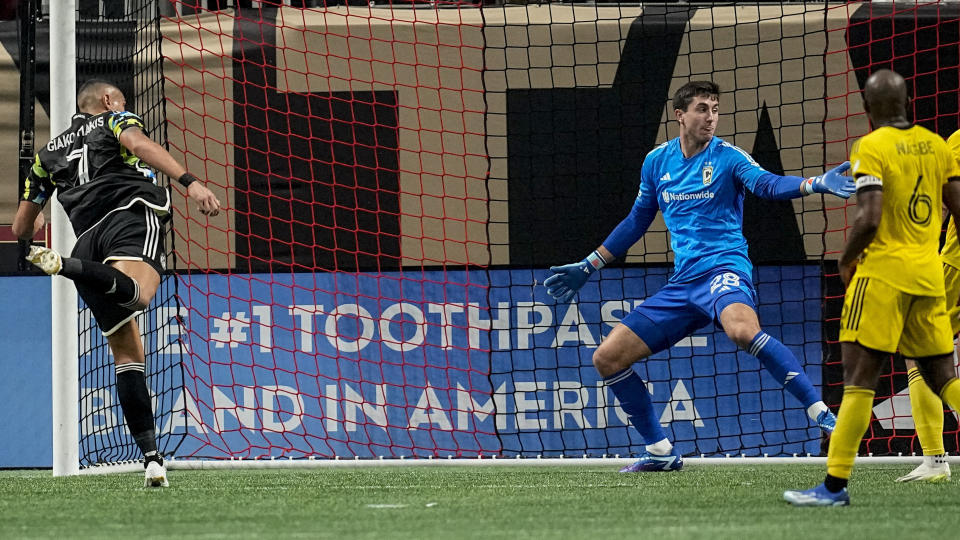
x,y
818,496
827,422
652,462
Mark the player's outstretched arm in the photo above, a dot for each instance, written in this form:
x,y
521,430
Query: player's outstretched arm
x,y
157,157
767,185
833,182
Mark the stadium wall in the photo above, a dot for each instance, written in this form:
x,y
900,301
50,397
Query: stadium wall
x,y
792,73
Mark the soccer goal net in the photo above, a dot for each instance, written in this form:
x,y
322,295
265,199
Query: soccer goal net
x,y
399,177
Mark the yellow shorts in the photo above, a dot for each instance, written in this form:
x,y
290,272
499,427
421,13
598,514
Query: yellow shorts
x,y
951,281
886,319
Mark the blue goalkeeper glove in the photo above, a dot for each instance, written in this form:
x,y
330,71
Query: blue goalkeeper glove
x,y
833,182
567,279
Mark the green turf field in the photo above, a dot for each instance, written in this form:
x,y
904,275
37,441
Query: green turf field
x,y
596,503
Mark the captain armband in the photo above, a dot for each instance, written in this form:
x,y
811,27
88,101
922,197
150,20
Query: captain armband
x,y
186,179
868,183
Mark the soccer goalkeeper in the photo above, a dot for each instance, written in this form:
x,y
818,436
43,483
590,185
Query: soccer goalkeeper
x,y
116,209
697,181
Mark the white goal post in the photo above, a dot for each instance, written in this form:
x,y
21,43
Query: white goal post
x,y
63,295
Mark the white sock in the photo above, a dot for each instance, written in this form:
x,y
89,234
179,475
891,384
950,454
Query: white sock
x,y
660,448
814,410
935,461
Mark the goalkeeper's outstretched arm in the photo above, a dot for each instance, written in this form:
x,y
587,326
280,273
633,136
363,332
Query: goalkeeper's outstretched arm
x,y
833,182
567,279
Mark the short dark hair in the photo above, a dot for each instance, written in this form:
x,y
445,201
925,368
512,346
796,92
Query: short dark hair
x,y
685,94
90,91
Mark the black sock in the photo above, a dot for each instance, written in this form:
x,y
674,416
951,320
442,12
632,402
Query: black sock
x,y
152,456
106,279
137,409
834,484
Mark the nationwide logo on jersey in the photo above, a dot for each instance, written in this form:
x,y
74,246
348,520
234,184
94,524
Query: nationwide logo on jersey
x,y
669,196
707,174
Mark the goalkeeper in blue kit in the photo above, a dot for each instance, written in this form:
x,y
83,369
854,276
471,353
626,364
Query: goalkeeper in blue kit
x,y
697,181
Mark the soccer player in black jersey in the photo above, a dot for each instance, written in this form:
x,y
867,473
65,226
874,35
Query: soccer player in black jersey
x,y
99,171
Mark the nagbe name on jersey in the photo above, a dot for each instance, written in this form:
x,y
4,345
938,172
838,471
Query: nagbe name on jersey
x,y
919,148
67,139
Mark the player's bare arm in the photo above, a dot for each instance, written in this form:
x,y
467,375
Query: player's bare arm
x,y
28,220
869,213
158,158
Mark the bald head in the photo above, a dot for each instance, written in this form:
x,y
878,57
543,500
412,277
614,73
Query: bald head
x,y
96,96
885,97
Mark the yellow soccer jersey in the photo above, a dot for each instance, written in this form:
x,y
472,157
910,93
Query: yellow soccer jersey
x,y
911,166
951,249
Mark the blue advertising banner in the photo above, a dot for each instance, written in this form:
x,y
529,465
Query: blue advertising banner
x,y
26,425
459,363
419,364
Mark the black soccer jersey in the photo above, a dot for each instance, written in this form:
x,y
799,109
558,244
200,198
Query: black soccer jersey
x,y
92,172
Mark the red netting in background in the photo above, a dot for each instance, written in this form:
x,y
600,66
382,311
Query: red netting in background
x,y
397,181
921,42
346,144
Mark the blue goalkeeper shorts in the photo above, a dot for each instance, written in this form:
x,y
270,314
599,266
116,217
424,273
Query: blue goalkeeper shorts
x,y
678,309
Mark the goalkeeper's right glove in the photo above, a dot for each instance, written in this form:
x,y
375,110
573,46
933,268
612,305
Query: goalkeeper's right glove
x,y
567,279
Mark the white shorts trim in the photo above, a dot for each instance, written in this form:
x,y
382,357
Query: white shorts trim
x,y
110,332
123,258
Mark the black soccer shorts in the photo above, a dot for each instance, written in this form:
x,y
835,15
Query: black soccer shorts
x,y
134,234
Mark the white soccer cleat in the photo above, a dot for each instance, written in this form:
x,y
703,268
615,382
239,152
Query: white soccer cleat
x,y
45,259
925,472
155,475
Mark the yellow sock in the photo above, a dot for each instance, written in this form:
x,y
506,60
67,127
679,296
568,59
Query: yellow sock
x,y
853,418
951,393
927,411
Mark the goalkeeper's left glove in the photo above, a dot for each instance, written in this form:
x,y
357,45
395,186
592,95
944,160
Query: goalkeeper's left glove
x,y
833,182
567,279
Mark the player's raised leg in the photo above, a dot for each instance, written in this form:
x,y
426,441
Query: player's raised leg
x,y
111,282
740,322
927,410
614,360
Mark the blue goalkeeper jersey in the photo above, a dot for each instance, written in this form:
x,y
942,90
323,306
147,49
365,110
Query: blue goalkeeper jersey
x,y
701,199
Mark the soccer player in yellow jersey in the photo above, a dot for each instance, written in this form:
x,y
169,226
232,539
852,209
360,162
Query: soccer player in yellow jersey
x,y
926,407
896,299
